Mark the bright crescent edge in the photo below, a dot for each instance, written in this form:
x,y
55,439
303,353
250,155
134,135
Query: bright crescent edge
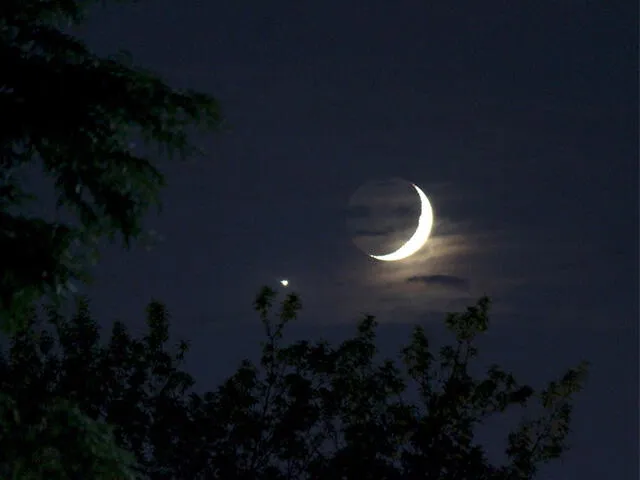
x,y
421,235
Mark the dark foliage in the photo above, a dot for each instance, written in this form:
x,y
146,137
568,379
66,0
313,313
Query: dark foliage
x,y
74,114
307,411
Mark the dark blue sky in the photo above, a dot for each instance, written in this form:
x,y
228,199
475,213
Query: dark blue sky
x,y
519,121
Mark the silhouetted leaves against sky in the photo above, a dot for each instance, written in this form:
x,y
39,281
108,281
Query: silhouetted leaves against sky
x,y
307,410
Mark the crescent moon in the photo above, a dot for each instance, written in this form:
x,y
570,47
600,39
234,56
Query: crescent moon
x,y
419,238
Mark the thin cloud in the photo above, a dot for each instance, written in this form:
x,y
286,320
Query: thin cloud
x,y
404,210
466,257
358,211
448,281
374,233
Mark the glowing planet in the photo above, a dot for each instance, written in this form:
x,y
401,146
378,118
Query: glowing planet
x,y
284,283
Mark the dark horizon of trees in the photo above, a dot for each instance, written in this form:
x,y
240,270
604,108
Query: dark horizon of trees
x,y
306,410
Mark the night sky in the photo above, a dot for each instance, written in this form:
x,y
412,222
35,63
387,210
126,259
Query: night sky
x,y
517,119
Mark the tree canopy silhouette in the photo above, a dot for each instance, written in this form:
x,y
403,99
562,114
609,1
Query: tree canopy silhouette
x,y
307,410
75,114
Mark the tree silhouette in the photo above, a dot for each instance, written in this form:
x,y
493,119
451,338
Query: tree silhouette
x,y
75,113
308,410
